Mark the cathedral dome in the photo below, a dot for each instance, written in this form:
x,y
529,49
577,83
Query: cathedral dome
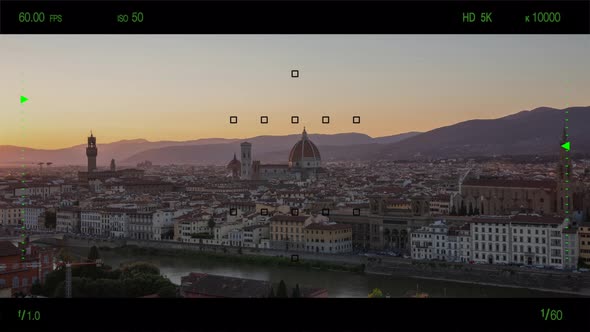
x,y
304,154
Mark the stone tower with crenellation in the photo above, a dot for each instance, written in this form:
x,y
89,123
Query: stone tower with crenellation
x,y
91,153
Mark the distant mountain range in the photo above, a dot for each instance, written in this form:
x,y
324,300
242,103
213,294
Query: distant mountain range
x,y
528,132
201,151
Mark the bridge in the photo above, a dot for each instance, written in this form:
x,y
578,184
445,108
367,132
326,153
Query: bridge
x,y
35,237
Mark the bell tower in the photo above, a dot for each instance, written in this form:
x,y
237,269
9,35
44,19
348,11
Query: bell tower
x,y
246,161
91,153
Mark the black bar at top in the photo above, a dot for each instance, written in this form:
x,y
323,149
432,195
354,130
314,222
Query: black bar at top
x,y
295,17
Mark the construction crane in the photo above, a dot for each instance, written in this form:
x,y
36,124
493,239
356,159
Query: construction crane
x,y
68,266
41,266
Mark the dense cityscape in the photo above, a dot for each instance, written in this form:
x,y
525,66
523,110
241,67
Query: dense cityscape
x,y
374,217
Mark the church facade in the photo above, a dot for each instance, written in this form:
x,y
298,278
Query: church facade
x,y
552,197
304,163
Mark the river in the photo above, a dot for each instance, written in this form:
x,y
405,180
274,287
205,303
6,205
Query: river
x,y
338,284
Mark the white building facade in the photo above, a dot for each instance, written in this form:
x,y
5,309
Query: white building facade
x,y
11,215
117,224
67,220
430,242
519,239
525,239
32,216
90,223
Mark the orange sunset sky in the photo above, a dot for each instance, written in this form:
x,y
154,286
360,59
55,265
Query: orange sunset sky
x,y
186,87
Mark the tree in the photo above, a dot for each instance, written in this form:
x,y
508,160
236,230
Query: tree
x,y
240,250
139,268
65,256
376,293
476,211
296,291
37,289
87,271
272,293
144,284
470,212
167,291
52,281
136,280
211,224
282,291
93,254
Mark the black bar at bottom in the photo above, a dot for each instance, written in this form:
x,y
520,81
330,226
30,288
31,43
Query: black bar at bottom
x,y
294,17
496,315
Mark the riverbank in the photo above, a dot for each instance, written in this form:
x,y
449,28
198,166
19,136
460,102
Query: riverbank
x,y
340,284
497,276
557,282
234,257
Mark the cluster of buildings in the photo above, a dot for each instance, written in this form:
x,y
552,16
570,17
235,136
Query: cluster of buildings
x,y
521,239
429,209
304,163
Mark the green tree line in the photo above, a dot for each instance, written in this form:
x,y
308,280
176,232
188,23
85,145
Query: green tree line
x,y
133,280
282,291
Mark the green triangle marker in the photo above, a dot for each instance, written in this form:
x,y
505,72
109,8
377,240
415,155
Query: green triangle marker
x,y
566,146
23,99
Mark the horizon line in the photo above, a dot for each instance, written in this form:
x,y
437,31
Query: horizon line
x,y
298,133
205,138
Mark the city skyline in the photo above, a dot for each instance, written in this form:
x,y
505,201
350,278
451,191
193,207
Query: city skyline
x,y
186,87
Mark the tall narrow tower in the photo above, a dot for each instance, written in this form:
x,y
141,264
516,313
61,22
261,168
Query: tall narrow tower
x,y
246,161
564,176
91,153
113,167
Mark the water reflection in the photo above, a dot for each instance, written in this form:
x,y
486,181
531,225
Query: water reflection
x,y
339,284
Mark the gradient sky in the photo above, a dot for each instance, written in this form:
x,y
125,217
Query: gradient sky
x,y
186,87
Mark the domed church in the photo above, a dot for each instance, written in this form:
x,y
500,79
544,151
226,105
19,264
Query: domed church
x,y
304,154
304,163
